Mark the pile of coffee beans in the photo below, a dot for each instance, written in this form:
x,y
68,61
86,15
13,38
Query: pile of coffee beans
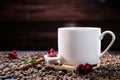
x,y
108,69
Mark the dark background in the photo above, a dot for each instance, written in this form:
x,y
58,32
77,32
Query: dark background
x,y
32,24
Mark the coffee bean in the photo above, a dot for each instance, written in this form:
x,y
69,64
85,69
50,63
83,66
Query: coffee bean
x,y
69,74
6,69
43,74
35,70
49,68
21,75
61,73
34,75
74,75
109,69
43,69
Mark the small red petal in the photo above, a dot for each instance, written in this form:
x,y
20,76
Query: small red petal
x,y
86,67
14,52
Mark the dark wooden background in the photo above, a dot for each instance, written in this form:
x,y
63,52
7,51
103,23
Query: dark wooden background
x,y
32,24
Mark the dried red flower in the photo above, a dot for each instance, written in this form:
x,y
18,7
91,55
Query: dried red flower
x,y
52,53
12,55
14,52
84,68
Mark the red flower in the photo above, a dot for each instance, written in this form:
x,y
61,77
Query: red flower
x,y
84,68
52,53
12,55
14,52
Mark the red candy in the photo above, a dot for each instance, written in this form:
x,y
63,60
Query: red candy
x,y
52,53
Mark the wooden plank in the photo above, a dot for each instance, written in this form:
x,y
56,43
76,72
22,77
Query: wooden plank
x,y
38,2
73,10
113,2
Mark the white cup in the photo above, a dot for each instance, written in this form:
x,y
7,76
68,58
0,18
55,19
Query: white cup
x,y
81,45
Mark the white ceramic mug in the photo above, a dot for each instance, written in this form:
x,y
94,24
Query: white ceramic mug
x,y
81,45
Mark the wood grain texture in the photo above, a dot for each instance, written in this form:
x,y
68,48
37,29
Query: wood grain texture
x,y
32,24
58,10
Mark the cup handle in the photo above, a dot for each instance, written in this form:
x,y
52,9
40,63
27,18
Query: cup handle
x,y
111,43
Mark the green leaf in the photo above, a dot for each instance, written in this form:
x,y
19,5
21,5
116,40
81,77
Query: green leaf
x,y
25,62
29,62
33,60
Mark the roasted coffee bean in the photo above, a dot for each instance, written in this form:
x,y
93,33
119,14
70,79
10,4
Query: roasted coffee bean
x,y
49,68
74,75
43,69
61,73
6,69
69,74
109,69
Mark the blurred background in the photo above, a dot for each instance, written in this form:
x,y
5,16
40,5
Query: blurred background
x,y
32,24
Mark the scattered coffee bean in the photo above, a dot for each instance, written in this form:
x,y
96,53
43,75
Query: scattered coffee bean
x,y
74,75
109,69
35,71
6,69
69,74
43,69
61,73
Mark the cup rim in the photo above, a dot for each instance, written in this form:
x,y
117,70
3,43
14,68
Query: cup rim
x,y
76,28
